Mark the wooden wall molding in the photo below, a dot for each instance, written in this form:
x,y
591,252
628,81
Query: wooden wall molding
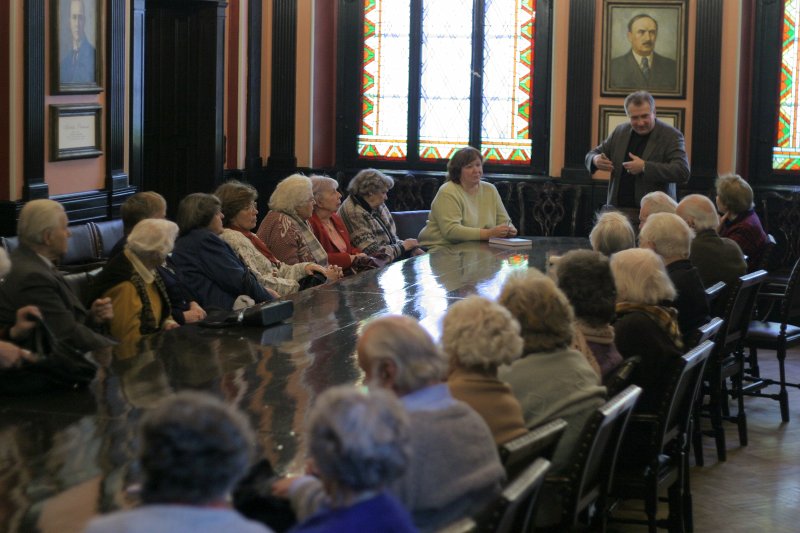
x,y
284,70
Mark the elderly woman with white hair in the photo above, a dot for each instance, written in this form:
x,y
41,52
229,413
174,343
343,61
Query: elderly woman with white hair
x,y
454,468
329,228
369,221
358,444
611,233
479,336
645,326
131,279
551,380
285,229
669,236
655,202
740,222
716,258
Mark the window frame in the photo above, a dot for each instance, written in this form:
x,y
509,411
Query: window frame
x,y
348,93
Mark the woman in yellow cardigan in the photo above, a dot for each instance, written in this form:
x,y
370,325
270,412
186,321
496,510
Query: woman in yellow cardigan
x,y
137,292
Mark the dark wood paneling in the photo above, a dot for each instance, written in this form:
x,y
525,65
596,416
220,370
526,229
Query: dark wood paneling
x,y
540,106
284,57
580,67
117,18
33,112
183,97
252,155
137,92
705,120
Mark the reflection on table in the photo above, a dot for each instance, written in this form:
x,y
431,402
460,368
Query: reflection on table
x,y
70,455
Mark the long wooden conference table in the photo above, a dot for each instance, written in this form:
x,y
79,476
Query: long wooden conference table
x,y
68,456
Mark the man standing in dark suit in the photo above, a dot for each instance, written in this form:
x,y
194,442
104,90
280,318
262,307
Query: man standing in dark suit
x,y
643,155
642,67
34,280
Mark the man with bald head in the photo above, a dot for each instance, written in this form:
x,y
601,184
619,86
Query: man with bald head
x,y
716,258
33,280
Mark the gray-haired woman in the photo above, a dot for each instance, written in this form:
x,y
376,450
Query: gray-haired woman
x,y
369,221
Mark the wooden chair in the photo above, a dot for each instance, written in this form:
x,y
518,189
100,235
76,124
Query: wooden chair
x,y
727,363
409,223
465,525
655,448
707,331
589,476
547,207
539,442
511,512
622,376
715,296
778,336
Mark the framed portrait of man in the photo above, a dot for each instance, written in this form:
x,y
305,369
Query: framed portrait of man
x,y
644,47
76,49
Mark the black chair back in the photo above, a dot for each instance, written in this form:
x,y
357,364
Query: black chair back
x,y
408,224
465,525
715,296
790,304
591,471
622,376
738,313
677,405
511,512
707,331
541,441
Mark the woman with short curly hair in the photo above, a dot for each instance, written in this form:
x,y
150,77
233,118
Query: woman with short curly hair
x,y
739,221
478,336
551,380
371,226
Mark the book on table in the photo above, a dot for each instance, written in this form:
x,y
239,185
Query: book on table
x,y
515,242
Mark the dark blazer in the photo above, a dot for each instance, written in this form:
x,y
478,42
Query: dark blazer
x,y
33,282
212,271
691,302
716,258
665,161
625,73
80,69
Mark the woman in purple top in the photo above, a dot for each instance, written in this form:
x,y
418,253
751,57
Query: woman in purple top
x,y
739,221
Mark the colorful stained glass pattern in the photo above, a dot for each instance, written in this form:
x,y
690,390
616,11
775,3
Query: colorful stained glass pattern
x,y
786,153
508,80
446,75
384,82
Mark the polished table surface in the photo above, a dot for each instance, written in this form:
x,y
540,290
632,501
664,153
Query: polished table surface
x,y
68,456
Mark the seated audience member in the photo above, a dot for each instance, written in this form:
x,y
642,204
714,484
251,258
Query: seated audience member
x,y
655,202
644,326
740,222
551,380
454,468
194,449
329,228
669,236
12,355
585,277
478,336
131,280
369,221
358,445
142,205
239,211
150,204
716,258
34,280
611,233
466,208
210,268
285,229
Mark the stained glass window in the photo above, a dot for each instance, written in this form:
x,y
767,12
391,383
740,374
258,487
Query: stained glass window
x,y
786,153
455,96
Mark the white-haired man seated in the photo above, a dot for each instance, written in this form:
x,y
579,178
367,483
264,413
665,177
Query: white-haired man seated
x,y
454,469
669,236
716,258
612,232
655,202
34,280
